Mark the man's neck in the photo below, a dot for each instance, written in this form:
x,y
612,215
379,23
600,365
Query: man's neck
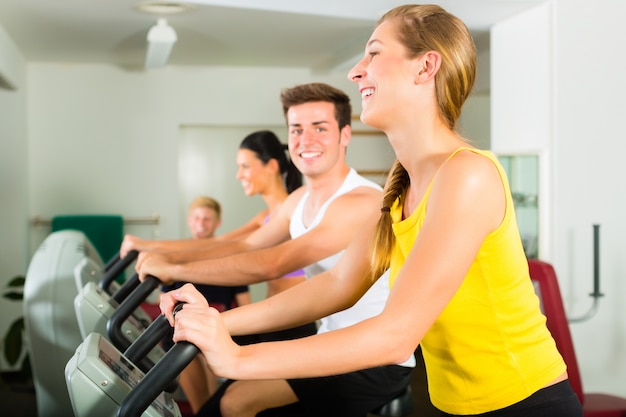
x,y
321,188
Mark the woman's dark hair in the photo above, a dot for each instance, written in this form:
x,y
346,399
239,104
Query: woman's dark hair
x,y
266,145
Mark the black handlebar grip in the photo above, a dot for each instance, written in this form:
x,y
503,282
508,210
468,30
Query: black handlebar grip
x,y
124,291
161,375
111,261
139,349
114,270
126,309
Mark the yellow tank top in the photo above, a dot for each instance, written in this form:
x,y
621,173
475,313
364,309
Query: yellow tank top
x,y
490,347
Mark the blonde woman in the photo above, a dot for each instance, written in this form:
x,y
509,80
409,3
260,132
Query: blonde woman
x,y
446,228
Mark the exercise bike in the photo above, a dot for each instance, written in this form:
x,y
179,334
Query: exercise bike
x,y
103,381
51,328
97,302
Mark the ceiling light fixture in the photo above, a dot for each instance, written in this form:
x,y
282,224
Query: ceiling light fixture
x,y
164,7
161,39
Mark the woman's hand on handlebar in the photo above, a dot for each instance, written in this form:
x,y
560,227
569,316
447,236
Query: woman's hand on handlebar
x,y
187,294
202,325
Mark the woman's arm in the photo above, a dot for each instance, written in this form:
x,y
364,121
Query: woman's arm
x,y
455,226
132,242
245,230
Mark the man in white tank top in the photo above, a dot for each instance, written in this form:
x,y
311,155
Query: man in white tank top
x,y
374,299
311,231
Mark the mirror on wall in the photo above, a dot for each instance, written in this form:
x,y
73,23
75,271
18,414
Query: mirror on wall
x,y
523,173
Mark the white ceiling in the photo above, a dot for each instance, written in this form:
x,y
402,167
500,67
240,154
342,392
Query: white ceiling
x,y
318,34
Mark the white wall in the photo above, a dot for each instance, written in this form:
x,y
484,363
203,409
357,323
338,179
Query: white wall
x,y
13,174
589,173
475,118
114,134
521,98
556,90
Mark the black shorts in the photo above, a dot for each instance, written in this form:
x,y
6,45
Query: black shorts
x,y
294,333
352,394
347,395
558,400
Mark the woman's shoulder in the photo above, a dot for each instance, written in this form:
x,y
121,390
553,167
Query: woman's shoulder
x,y
468,164
471,183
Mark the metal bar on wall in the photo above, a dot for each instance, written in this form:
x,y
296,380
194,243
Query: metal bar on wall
x,y
151,220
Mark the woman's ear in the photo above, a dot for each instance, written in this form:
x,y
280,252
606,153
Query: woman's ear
x,y
427,66
273,164
345,135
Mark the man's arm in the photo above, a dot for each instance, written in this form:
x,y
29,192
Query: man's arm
x,y
342,220
323,294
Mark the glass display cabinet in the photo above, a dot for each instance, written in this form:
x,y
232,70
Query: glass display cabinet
x,y
523,173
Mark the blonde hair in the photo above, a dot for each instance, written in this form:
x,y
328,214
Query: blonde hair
x,y
207,202
423,28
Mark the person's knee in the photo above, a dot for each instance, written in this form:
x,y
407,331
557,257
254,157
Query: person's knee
x,y
248,398
234,402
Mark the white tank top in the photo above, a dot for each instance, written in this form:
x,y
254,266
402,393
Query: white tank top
x,y
373,301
